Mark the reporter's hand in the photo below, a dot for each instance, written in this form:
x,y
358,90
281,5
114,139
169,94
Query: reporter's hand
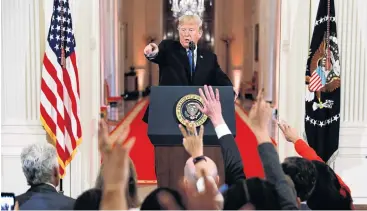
x,y
115,170
260,117
150,49
290,134
116,162
192,141
212,106
104,141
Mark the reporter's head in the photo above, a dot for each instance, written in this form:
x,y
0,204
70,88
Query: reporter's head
x,y
190,29
193,172
303,174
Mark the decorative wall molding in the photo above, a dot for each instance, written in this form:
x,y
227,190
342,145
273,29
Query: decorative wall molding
x,y
20,75
353,52
23,57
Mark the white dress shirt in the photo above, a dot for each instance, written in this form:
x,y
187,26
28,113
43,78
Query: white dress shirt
x,y
222,130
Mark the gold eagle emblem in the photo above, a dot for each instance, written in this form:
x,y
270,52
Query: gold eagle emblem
x,y
187,110
327,67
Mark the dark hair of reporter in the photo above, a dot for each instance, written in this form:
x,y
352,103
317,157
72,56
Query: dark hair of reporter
x,y
303,174
89,200
132,190
260,193
151,202
328,193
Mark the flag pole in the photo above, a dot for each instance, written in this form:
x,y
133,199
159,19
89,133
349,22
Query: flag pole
x,y
61,189
62,65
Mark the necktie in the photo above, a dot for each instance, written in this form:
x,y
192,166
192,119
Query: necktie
x,y
189,54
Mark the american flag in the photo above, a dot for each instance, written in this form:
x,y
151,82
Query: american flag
x,y
60,96
315,82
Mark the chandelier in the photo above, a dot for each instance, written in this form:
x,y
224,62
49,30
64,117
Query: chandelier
x,y
187,7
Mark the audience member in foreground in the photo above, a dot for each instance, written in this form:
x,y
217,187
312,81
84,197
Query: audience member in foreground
x,y
193,199
41,169
193,144
330,192
260,117
131,191
89,200
213,109
115,171
303,174
151,202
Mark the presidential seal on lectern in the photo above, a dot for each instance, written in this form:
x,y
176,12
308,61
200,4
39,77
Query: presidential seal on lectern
x,y
187,110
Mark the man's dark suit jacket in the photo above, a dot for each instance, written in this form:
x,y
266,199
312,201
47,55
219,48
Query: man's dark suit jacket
x,y
232,160
44,197
174,68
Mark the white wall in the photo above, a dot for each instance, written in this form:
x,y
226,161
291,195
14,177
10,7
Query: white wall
x,y
298,18
294,44
24,28
351,163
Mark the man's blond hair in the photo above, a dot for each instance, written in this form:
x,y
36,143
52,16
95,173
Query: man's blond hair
x,y
190,18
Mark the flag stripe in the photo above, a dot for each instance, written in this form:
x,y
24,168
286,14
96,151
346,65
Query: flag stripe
x,y
74,104
73,61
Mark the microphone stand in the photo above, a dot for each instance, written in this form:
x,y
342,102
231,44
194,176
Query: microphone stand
x,y
193,63
61,189
192,49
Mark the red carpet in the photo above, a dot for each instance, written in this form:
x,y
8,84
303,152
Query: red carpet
x,y
142,153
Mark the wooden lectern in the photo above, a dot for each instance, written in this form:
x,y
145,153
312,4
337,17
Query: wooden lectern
x,y
164,134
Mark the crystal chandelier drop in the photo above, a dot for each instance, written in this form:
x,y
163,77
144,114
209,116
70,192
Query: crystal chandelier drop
x,y
187,7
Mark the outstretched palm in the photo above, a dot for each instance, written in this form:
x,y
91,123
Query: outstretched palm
x,y
212,106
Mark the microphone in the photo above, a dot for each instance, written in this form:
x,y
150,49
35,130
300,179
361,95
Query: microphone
x,y
191,46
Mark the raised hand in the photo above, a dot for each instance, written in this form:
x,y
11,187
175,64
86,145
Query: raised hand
x,y
260,117
289,133
212,106
192,141
115,171
104,141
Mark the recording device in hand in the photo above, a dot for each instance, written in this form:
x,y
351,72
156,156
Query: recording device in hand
x,y
7,201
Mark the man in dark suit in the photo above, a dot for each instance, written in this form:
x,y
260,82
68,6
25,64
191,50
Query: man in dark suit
x,y
183,63
180,66
41,169
232,158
